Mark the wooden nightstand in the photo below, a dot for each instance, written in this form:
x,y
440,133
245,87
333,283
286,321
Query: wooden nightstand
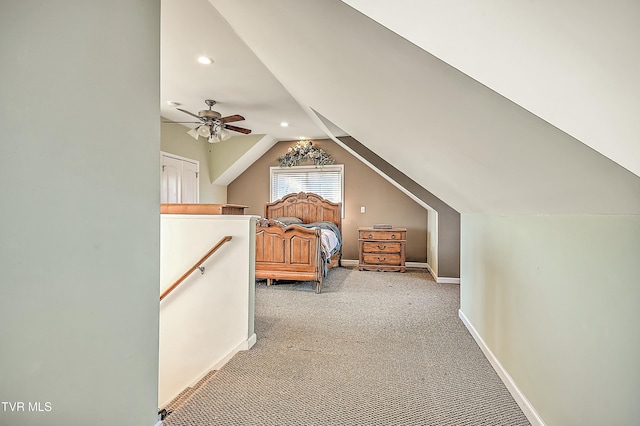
x,y
382,249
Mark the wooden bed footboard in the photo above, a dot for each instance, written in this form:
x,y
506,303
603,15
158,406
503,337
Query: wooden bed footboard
x,y
294,252
289,253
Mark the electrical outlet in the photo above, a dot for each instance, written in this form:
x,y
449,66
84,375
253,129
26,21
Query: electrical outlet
x,y
362,209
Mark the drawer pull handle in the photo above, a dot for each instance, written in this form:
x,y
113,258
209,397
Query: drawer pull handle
x,y
381,247
370,236
382,259
393,236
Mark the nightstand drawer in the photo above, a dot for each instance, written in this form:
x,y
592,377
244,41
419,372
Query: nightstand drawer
x,y
381,247
381,259
381,235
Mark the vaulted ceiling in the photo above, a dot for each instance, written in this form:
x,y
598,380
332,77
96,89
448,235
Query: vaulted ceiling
x,y
484,130
237,80
572,63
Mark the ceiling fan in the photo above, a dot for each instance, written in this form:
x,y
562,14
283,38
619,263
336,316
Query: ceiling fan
x,y
212,125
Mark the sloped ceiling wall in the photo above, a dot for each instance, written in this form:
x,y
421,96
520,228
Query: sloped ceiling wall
x,y
468,145
573,63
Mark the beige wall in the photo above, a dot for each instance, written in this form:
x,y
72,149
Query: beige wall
x,y
443,236
363,187
555,298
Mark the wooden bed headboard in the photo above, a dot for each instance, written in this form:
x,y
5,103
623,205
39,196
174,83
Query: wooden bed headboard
x,y
307,206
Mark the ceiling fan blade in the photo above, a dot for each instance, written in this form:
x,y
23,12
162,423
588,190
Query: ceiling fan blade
x,y
182,122
190,113
237,129
232,118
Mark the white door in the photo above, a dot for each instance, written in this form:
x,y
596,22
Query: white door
x,y
180,179
190,182
171,174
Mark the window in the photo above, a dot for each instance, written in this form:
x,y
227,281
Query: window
x,y
326,181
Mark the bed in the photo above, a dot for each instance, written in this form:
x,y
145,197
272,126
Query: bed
x,y
299,239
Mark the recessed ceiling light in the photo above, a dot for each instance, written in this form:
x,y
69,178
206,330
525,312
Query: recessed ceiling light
x,y
284,124
173,104
205,60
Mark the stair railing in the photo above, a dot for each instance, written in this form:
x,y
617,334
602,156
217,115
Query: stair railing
x,y
194,267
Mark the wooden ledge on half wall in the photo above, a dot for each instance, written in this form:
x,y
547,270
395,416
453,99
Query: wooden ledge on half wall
x,y
202,209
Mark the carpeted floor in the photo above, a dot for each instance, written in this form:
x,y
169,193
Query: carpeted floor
x,y
372,349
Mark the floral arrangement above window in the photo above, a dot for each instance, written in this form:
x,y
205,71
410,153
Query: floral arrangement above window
x,y
304,151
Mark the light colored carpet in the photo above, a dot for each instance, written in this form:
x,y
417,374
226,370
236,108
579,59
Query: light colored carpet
x,y
373,349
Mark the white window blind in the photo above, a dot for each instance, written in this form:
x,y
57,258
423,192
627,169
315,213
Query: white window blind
x,y
326,181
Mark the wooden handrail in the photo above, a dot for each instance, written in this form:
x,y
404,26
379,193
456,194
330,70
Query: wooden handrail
x,y
194,267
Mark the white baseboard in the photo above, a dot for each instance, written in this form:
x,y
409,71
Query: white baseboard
x,y
513,389
439,280
251,341
246,345
447,280
243,346
442,280
354,262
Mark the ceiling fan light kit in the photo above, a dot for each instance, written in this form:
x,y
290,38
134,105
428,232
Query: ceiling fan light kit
x,y
193,133
204,131
213,125
205,60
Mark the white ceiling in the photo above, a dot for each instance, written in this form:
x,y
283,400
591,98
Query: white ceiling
x,y
574,63
471,147
237,80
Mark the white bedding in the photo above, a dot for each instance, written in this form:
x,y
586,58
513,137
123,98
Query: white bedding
x,y
329,242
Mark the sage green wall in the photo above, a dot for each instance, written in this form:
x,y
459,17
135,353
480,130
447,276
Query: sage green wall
x,y
79,223
224,154
175,140
557,300
383,202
